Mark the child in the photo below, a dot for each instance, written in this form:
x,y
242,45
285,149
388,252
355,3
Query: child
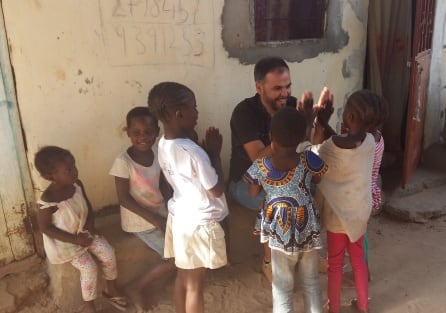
x,y
66,220
137,176
289,221
344,196
380,115
194,236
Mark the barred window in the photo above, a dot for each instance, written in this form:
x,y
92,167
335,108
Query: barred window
x,y
283,20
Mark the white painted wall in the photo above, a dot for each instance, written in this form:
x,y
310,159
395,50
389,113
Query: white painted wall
x,y
76,81
436,98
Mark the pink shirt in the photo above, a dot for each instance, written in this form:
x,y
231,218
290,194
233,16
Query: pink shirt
x,y
376,191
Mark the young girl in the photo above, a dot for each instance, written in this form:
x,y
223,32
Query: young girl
x,y
66,220
381,113
380,116
194,236
344,196
137,177
290,223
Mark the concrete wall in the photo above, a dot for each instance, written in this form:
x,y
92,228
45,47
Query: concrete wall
x,y
435,128
80,65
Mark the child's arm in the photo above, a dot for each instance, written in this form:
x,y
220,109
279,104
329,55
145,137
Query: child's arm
x,y
324,110
316,179
127,201
254,190
89,223
46,226
306,107
212,144
165,188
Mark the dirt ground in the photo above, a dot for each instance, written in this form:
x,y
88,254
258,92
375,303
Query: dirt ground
x,y
407,267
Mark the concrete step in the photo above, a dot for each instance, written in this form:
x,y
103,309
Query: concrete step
x,y
419,207
133,259
421,179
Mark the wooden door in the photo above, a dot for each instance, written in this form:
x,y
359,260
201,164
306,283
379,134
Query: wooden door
x,y
16,242
16,238
419,79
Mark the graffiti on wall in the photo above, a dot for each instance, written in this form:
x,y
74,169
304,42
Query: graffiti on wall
x,y
139,32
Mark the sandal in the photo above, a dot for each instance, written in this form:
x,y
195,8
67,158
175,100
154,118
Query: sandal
x,y
119,302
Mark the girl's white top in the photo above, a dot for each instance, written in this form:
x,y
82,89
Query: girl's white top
x,y
70,216
189,171
143,187
344,193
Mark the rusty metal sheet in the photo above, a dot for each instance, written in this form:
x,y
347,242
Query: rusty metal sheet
x,y
415,114
419,79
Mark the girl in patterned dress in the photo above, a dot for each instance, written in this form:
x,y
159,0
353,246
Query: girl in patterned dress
x,y
290,222
66,220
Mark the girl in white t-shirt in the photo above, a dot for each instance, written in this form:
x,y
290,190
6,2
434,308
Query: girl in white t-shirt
x,y
143,211
194,235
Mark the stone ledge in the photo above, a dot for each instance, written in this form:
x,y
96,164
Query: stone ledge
x,y
419,207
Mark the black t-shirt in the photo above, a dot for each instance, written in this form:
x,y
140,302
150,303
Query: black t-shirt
x,y
249,121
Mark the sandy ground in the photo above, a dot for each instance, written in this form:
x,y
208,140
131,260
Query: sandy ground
x,y
407,267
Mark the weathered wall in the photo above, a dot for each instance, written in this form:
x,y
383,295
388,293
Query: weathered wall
x,y
435,128
81,64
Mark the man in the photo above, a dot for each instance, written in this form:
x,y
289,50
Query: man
x,y
250,125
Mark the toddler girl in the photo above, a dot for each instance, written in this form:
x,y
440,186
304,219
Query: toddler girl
x,y
66,220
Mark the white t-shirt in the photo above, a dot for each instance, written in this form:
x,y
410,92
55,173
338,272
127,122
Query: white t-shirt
x,y
144,188
188,170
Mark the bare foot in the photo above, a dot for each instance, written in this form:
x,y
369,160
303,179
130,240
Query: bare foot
x,y
135,296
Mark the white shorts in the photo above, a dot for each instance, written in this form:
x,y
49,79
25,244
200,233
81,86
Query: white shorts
x,y
195,247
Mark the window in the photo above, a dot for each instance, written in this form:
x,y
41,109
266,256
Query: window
x,y
282,20
293,29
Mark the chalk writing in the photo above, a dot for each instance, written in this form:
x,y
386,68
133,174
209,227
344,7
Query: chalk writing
x,y
158,31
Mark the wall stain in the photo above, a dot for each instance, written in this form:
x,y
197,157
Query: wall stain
x,y
38,4
135,83
83,91
60,74
121,130
346,73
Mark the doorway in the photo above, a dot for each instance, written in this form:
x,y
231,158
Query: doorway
x,y
397,67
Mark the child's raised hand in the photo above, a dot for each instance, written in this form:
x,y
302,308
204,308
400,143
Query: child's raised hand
x,y
324,107
213,141
84,239
305,105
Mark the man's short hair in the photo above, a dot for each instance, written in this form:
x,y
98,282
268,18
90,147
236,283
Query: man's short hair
x,y
267,65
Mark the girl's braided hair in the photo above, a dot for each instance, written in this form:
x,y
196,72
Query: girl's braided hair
x,y
166,97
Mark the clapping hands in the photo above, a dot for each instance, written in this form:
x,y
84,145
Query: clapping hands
x,y
319,113
212,142
324,108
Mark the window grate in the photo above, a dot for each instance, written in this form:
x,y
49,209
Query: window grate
x,y
281,20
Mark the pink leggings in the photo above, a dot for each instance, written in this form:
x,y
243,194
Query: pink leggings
x,y
336,245
89,270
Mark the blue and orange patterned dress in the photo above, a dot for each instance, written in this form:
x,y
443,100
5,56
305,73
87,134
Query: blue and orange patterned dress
x,y
290,221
